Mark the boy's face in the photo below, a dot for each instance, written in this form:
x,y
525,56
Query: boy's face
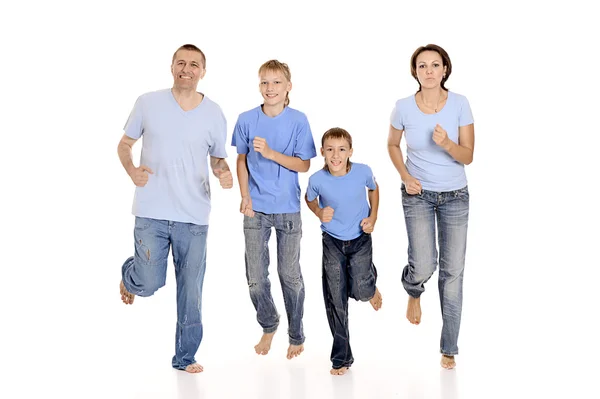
x,y
274,87
336,153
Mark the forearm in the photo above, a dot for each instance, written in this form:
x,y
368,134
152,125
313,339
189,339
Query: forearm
x,y
126,157
313,205
460,153
374,201
242,175
292,163
398,160
218,165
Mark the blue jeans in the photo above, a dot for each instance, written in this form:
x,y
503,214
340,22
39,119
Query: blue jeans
x,y
451,210
146,272
257,231
348,272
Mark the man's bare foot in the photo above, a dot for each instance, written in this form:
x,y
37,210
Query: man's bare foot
x,y
194,368
263,347
377,300
448,362
295,350
340,371
126,296
413,311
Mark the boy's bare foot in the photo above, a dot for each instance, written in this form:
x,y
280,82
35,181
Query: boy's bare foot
x,y
413,311
194,368
263,347
448,362
340,371
295,350
126,296
377,300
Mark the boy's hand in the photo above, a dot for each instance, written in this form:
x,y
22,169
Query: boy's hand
x,y
326,214
368,224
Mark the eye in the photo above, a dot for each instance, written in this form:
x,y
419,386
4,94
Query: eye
x,y
421,66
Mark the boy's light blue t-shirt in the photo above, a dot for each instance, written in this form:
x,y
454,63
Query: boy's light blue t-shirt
x,y
175,146
425,160
347,195
273,188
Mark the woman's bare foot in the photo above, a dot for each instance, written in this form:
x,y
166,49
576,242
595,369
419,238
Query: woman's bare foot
x,y
413,311
194,368
340,371
263,347
448,362
377,300
294,350
126,296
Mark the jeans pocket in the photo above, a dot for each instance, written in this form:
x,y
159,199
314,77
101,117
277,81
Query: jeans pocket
x,y
142,224
198,230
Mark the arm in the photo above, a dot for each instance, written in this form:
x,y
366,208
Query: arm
x,y
242,174
138,175
292,163
218,166
314,206
124,149
463,151
413,186
368,223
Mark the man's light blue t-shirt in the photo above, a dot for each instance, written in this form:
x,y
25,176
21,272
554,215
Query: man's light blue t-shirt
x,y
425,160
347,196
175,146
274,189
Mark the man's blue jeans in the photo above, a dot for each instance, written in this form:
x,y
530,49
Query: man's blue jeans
x,y
146,272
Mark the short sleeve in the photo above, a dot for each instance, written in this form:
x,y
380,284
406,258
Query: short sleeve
x,y
304,147
370,178
239,139
134,127
312,191
218,136
466,116
396,118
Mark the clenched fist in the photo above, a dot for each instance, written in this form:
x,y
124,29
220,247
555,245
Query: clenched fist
x,y
440,137
139,175
326,214
261,146
225,178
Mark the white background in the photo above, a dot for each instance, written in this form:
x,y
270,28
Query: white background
x,y
70,74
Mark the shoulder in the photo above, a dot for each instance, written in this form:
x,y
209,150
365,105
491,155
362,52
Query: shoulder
x,y
362,168
249,115
457,98
318,176
295,115
405,102
155,95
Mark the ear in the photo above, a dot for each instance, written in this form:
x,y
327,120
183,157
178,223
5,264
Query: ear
x,y
202,73
289,86
350,152
322,152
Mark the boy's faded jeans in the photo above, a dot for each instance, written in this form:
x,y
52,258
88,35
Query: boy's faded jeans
x,y
257,231
348,272
449,211
146,272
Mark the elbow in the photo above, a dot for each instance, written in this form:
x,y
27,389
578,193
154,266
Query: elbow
x,y
305,166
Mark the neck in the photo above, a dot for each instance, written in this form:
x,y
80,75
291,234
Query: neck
x,y
272,110
432,96
184,93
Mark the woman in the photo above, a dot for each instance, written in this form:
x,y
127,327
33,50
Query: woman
x,y
438,126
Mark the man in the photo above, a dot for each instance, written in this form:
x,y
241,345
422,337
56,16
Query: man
x,y
181,127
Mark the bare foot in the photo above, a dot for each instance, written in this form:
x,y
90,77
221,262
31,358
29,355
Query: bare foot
x,y
263,347
377,300
448,362
340,371
194,368
294,350
413,312
126,296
